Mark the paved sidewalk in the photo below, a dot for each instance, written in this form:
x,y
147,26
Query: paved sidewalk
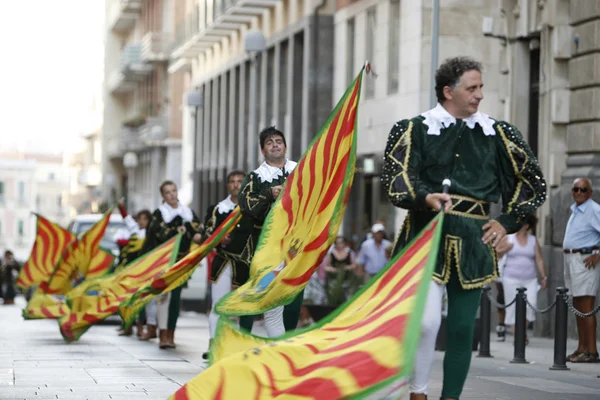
x,y
36,364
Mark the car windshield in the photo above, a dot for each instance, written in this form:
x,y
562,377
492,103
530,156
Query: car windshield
x,y
108,241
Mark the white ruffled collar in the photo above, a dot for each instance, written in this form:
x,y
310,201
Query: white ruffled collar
x,y
169,213
266,172
438,118
226,205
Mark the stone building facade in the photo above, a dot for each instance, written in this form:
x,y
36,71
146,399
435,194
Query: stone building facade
x,y
550,68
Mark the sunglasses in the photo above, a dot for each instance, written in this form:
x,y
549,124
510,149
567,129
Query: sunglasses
x,y
580,189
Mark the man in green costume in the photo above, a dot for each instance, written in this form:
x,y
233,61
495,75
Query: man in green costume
x,y
485,160
260,189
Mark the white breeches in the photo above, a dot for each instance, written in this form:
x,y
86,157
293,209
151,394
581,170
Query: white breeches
x,y
430,325
151,313
218,290
274,322
162,310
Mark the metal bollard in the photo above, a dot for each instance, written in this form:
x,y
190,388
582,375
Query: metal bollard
x,y
520,327
560,331
486,321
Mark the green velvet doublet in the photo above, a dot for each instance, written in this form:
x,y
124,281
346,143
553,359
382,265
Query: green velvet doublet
x,y
484,165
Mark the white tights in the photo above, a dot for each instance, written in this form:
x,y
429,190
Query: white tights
x,y
430,325
162,310
273,318
151,312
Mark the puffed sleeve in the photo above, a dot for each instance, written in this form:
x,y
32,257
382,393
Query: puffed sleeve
x,y
402,166
522,182
254,200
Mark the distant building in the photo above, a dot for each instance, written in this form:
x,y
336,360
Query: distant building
x,y
18,193
140,98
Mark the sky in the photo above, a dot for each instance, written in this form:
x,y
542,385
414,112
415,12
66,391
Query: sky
x,y
52,66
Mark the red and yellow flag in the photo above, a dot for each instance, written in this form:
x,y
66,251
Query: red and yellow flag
x,y
76,259
51,240
44,306
365,349
100,265
305,220
94,300
179,273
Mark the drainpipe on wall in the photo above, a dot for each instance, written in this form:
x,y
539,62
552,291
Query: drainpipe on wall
x,y
315,63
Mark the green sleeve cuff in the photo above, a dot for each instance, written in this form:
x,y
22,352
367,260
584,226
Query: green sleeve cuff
x,y
509,222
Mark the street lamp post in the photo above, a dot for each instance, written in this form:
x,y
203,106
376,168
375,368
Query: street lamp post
x,y
195,102
130,161
254,43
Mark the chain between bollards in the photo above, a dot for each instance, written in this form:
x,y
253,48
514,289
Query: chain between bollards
x,y
486,322
560,331
520,327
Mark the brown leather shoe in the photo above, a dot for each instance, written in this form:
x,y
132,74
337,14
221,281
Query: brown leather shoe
x,y
140,329
126,332
150,333
418,396
171,338
163,341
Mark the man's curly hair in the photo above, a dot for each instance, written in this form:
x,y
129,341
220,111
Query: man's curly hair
x,y
449,73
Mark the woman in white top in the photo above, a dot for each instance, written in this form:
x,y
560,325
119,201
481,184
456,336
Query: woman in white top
x,y
523,258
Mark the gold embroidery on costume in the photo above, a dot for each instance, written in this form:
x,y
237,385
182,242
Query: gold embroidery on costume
x,y
452,255
401,150
519,160
481,282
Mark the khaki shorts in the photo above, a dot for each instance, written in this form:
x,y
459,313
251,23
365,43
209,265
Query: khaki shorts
x,y
578,279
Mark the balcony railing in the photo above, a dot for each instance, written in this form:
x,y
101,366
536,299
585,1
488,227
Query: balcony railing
x,y
194,36
123,15
154,47
132,69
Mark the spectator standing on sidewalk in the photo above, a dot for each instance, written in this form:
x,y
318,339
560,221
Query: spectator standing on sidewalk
x,y
10,269
372,257
581,248
522,259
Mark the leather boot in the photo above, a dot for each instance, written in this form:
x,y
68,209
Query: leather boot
x,y
126,332
150,332
163,341
140,329
171,338
418,396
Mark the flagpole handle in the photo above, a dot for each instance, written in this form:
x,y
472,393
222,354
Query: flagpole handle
x,y
446,183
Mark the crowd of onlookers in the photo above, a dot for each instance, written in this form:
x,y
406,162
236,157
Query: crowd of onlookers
x,y
348,265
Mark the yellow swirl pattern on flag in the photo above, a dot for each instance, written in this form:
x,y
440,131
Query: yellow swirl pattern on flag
x,y
100,265
45,306
365,349
94,300
305,220
179,273
76,260
51,240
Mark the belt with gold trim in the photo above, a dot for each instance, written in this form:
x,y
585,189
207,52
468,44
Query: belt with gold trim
x,y
469,207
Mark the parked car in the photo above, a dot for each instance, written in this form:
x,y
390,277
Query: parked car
x,y
82,223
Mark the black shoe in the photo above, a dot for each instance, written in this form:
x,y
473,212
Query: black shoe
x,y
501,332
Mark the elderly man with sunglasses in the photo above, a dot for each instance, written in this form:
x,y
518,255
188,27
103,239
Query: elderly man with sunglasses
x,y
582,252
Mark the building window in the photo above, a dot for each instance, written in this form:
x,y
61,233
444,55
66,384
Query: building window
x,y
370,49
394,47
1,192
21,191
21,228
350,35
59,201
51,176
